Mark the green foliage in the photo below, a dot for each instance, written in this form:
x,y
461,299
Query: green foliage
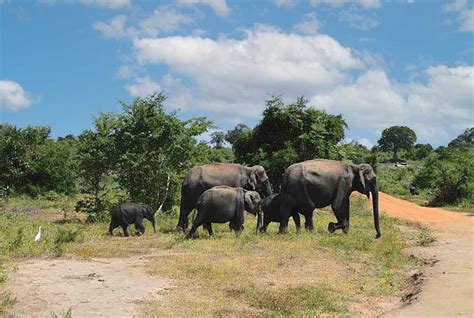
x,y
450,174
355,153
395,181
397,138
420,151
464,140
218,139
154,149
32,163
287,134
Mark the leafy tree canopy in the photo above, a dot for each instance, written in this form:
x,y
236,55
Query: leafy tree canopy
x,y
396,138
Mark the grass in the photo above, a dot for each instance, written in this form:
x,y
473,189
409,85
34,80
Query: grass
x,y
306,274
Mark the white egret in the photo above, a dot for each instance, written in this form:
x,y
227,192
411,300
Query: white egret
x,y
38,235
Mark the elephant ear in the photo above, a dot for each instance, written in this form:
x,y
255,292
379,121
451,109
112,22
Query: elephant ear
x,y
252,181
238,219
362,176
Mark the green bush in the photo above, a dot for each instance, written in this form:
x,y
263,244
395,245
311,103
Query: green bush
x,y
450,174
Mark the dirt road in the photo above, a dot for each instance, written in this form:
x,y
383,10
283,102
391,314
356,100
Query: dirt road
x,y
448,286
113,287
117,287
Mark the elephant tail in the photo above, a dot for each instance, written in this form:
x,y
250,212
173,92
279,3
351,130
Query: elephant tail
x,y
238,220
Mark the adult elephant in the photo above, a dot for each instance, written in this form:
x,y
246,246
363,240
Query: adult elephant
x,y
318,183
201,178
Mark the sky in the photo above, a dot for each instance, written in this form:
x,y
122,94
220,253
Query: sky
x,y
378,63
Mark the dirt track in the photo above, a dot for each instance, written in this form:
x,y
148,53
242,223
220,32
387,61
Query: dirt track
x,y
448,286
116,287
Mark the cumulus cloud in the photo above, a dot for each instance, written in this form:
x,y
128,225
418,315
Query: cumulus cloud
x,y
465,14
142,87
367,4
13,97
437,109
231,78
219,7
309,24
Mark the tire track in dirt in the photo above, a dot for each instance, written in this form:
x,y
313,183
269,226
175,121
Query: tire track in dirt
x,y
448,285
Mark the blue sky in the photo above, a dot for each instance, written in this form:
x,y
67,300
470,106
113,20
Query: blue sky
x,y
378,63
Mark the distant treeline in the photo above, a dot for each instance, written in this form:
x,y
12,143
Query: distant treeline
x,y
142,153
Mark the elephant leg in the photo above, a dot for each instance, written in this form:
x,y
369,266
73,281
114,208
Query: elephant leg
x,y
125,230
140,228
184,211
264,227
308,220
112,227
340,212
152,220
296,218
208,226
286,210
198,221
345,210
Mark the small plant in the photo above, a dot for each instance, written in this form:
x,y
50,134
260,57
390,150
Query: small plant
x,y
16,242
62,237
425,237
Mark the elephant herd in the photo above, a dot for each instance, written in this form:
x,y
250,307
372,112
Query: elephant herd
x,y
222,192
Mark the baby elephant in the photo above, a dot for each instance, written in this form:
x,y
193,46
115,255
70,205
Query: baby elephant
x,y
223,204
131,213
271,212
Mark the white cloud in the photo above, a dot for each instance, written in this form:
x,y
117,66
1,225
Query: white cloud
x,y
285,3
365,142
367,4
109,4
115,28
142,87
13,97
358,20
465,14
436,110
233,77
309,24
219,7
163,19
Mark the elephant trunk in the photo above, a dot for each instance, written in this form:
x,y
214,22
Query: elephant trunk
x,y
375,204
268,188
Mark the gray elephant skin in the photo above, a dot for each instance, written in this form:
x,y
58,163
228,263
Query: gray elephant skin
x,y
318,183
131,213
271,212
224,204
201,178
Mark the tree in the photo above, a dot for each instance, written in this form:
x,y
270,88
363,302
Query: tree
x,y
287,134
354,152
218,139
96,160
421,151
466,139
154,149
396,138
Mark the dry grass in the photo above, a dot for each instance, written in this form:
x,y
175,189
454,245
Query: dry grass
x,y
307,274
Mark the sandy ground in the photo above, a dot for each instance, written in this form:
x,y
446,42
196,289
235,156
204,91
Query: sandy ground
x,y
95,288
117,287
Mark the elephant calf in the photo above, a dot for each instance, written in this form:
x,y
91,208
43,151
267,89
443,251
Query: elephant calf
x,y
131,213
223,204
271,212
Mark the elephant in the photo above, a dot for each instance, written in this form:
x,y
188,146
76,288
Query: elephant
x,y
318,183
271,212
223,204
201,178
131,213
